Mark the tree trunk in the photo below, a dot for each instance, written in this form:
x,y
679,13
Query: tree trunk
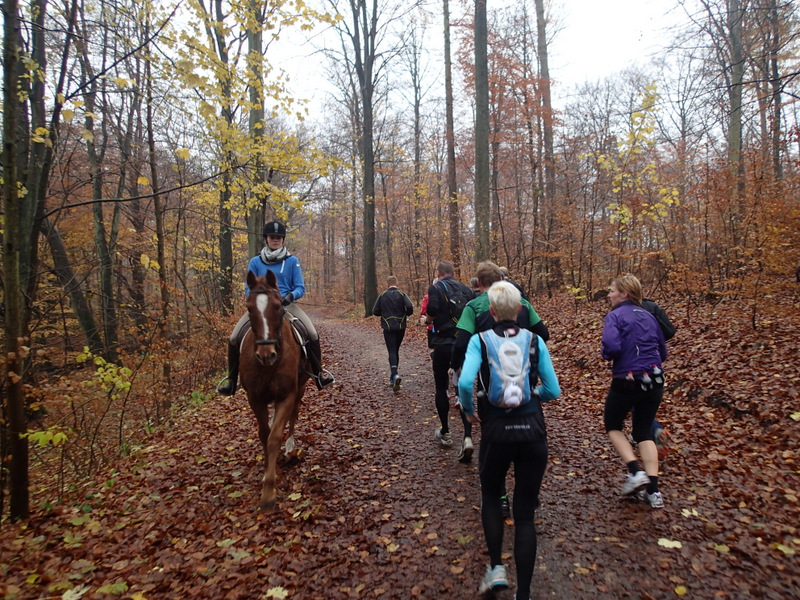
x,y
30,164
364,36
452,184
128,185
736,84
497,235
387,215
66,276
257,209
14,426
481,133
102,242
556,276
547,107
368,191
775,81
215,29
417,85
158,209
225,246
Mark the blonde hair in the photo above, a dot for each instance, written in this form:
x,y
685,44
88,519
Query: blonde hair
x,y
630,285
504,298
391,280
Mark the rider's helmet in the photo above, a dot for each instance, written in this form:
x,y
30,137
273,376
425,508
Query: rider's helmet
x,y
275,228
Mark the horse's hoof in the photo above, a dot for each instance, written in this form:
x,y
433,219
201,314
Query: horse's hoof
x,y
268,504
290,461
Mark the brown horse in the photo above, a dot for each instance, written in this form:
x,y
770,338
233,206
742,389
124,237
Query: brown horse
x,y
273,370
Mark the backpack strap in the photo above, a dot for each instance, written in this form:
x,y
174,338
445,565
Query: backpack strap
x,y
450,323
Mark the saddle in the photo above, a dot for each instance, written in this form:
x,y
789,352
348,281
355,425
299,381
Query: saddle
x,y
299,330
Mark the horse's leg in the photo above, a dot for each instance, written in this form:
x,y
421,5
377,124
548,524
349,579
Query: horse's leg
x,y
282,411
292,420
261,411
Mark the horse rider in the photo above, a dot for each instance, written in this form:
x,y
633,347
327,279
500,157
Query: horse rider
x,y
276,258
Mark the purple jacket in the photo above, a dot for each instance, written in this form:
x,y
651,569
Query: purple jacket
x,y
633,339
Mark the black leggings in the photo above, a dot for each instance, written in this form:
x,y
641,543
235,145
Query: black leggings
x,y
393,340
441,363
530,462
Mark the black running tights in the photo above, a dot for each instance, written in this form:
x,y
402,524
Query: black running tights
x,y
530,462
441,363
393,340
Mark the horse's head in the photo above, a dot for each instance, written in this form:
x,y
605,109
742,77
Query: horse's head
x,y
266,316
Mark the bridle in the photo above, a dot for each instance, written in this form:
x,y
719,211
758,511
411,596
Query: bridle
x,y
276,341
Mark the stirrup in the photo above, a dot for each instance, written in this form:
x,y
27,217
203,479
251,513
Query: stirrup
x,y
226,390
323,379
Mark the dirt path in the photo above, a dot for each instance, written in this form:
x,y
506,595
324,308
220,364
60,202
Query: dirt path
x,y
374,508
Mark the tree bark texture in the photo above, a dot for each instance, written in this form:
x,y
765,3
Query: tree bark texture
x,y
14,425
482,219
364,38
450,140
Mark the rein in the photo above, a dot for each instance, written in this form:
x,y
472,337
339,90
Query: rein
x,y
277,340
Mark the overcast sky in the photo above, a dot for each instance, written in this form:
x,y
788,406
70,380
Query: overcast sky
x,y
591,39
601,37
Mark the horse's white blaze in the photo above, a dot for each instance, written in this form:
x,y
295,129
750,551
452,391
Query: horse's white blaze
x,y
262,300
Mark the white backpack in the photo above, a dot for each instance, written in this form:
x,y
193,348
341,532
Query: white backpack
x,y
509,368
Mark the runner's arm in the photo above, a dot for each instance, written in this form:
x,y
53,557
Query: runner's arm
x,y
535,323
549,388
464,329
469,371
376,309
541,330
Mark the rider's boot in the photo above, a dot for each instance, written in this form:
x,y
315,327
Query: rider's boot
x,y
227,387
322,377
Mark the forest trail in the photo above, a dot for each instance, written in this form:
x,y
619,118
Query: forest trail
x,y
374,508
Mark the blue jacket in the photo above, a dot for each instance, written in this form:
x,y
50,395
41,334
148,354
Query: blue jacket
x,y
287,272
633,339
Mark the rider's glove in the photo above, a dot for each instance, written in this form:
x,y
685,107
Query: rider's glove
x,y
287,299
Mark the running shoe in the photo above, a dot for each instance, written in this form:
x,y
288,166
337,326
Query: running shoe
x,y
445,439
634,483
465,455
495,580
655,500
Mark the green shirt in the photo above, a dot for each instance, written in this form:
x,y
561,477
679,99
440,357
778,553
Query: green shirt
x,y
480,305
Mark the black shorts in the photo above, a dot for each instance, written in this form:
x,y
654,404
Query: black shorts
x,y
624,397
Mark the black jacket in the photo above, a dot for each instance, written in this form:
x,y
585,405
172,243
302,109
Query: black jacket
x,y
663,320
393,307
444,328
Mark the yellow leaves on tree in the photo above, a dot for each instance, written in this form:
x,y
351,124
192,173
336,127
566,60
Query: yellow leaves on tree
x,y
112,379
639,194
